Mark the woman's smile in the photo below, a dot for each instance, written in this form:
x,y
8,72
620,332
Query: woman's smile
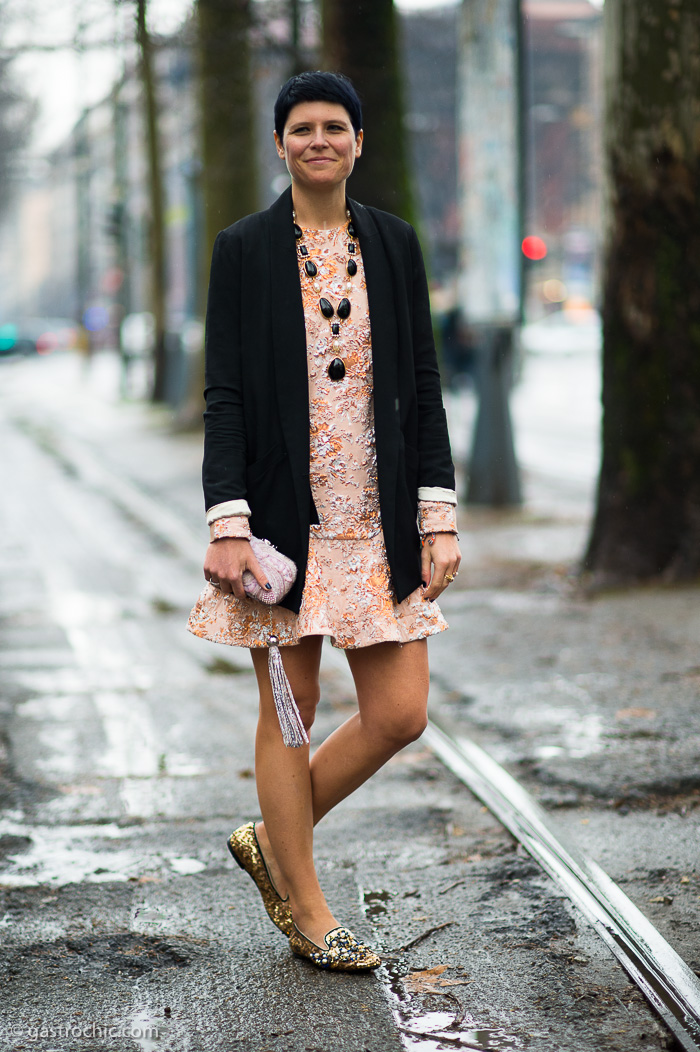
x,y
319,137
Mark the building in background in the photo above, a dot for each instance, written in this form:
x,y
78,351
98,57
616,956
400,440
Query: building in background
x,y
75,243
563,42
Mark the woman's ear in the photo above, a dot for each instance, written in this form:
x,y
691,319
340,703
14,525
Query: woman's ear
x,y
358,142
280,147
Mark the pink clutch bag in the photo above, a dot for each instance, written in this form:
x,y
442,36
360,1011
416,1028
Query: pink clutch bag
x,y
280,571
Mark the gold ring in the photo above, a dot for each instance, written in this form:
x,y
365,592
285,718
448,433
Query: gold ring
x,y
449,578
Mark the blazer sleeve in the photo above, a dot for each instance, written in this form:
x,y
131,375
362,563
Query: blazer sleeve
x,y
224,465
435,467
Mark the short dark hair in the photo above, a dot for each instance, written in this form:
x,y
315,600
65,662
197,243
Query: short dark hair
x,y
318,86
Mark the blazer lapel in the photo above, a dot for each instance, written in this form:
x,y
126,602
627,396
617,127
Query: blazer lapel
x,y
382,318
289,345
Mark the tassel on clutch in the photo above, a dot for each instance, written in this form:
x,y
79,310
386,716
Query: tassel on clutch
x,y
281,572
293,731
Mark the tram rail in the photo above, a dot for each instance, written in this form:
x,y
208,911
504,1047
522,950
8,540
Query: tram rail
x,y
667,982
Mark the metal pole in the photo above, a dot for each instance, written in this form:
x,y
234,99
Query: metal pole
x,y
493,140
494,477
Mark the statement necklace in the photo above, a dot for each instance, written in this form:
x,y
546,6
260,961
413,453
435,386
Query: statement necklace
x,y
336,369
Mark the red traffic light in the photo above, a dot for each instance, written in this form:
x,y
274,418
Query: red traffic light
x,y
534,247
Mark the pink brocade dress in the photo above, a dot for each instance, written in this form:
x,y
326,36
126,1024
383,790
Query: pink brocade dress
x,y
347,593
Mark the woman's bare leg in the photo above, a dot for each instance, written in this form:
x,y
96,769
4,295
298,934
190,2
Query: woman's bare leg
x,y
392,692
284,789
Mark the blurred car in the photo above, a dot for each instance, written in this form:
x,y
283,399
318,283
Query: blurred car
x,y
576,331
38,336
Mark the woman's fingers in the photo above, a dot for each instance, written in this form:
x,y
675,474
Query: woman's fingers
x,y
227,560
257,572
425,564
445,556
438,583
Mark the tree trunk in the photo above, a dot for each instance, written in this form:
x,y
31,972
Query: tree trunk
x,y
155,197
229,162
296,60
647,522
360,39
229,176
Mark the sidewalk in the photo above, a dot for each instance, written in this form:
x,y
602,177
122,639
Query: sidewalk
x,y
130,755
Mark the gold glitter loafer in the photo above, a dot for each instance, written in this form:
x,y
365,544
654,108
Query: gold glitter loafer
x,y
243,845
342,953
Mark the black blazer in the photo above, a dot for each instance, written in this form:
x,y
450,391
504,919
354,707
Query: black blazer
x,y
256,443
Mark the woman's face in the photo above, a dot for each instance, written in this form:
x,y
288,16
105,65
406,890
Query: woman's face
x,y
319,145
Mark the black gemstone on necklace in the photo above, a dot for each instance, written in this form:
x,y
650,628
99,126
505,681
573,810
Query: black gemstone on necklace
x,y
311,268
298,232
351,230
352,267
336,370
303,250
335,328
351,247
344,308
326,308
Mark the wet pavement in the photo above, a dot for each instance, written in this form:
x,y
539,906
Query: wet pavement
x,y
127,752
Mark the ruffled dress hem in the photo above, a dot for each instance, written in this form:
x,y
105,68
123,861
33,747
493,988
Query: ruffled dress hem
x,y
217,618
355,607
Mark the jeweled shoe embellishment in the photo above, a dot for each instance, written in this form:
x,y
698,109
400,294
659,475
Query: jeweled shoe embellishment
x,y
343,952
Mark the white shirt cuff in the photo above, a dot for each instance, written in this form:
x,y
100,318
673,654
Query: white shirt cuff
x,y
448,496
229,507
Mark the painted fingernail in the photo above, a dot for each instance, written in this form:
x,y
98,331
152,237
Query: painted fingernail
x,y
268,586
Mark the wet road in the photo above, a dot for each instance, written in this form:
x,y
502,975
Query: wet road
x,y
127,755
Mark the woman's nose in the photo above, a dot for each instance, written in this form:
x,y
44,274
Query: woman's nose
x,y
319,136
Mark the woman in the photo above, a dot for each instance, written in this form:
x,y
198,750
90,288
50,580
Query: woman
x,y
326,435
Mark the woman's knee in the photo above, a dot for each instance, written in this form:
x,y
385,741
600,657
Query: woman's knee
x,y
306,700
301,665
307,703
413,726
400,727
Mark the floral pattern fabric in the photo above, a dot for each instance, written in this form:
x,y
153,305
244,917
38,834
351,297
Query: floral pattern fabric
x,y
347,593
436,516
231,526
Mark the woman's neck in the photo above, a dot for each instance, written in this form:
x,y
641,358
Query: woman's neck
x,y
319,210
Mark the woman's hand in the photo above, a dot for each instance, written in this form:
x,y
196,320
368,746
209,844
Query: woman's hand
x,y
225,562
439,560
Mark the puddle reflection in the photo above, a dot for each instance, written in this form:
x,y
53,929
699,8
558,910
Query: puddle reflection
x,y
422,1029
375,903
425,1030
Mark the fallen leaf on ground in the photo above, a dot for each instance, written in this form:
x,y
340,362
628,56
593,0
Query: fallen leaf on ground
x,y
635,712
427,981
